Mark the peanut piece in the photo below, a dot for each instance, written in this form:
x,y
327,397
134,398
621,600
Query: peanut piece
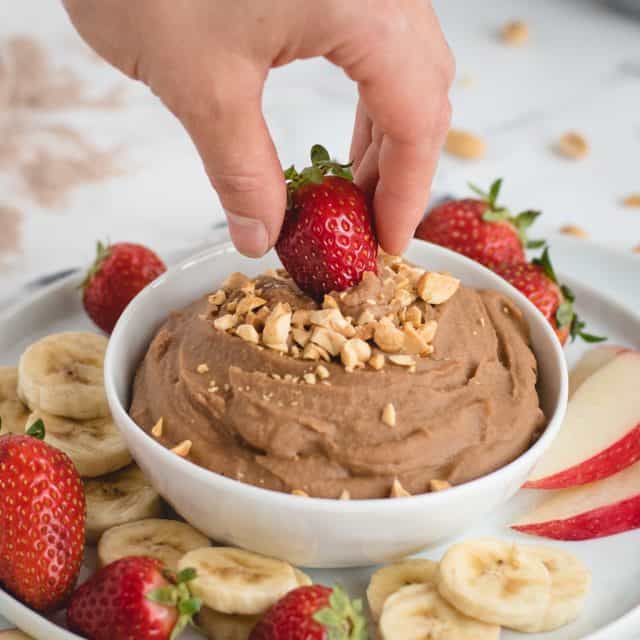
x,y
436,288
398,491
248,333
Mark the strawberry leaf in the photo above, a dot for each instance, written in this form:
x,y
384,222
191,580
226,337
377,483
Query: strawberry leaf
x,y
167,596
478,191
343,618
36,430
494,191
535,244
186,575
526,218
319,154
544,261
564,314
589,337
491,215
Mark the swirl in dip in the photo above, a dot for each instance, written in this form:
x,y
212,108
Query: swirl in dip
x,y
406,383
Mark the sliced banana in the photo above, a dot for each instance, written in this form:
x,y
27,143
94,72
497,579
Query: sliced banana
x,y
224,626
570,582
236,581
118,498
417,611
495,581
14,634
12,412
302,579
166,540
96,447
389,579
62,374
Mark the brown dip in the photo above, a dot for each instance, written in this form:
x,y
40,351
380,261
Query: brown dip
x,y
468,408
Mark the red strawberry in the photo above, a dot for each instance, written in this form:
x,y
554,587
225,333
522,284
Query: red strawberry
x,y
132,598
312,613
119,273
537,280
480,229
42,517
327,241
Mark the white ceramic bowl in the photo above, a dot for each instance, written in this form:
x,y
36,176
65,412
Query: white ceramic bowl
x,y
315,532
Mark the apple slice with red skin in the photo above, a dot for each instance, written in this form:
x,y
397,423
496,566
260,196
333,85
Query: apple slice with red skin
x,y
593,360
601,431
594,510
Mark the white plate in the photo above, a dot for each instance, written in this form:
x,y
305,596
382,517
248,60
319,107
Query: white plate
x,y
613,608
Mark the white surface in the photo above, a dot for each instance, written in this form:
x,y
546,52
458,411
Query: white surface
x,y
614,561
577,72
317,533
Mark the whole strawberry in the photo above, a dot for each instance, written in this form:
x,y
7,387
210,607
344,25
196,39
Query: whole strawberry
x,y
480,229
119,273
42,520
132,598
538,282
327,241
313,613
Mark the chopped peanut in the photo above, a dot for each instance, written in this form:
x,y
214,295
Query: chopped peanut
x,y
438,485
248,333
376,361
202,368
515,33
183,448
389,415
218,297
573,230
225,322
249,303
388,337
464,144
398,491
573,146
322,372
436,288
156,431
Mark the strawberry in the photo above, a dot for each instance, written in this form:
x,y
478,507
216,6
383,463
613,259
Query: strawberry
x,y
538,282
480,229
117,276
133,598
327,241
312,613
42,519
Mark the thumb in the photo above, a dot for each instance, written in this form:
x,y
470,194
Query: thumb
x,y
241,161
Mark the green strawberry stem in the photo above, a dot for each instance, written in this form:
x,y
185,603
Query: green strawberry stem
x,y
103,251
565,314
495,213
36,430
343,618
321,165
179,596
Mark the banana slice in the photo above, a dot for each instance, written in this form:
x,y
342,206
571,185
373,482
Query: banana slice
x,y
118,498
389,579
236,581
302,579
14,634
12,412
166,540
62,374
495,581
224,626
417,611
570,582
96,447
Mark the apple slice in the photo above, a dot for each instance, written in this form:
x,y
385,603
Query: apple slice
x,y
594,510
601,431
593,360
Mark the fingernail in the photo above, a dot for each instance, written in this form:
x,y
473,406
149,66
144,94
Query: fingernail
x,y
248,234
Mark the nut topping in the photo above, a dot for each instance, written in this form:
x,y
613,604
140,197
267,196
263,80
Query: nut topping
x,y
436,288
225,322
183,448
248,333
398,491
389,415
438,485
156,430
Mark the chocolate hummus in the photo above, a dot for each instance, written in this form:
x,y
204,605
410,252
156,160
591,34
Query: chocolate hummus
x,y
406,383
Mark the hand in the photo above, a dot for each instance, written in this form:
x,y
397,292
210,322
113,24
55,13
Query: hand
x,y
208,61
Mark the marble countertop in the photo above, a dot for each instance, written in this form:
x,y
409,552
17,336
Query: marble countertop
x,y
579,71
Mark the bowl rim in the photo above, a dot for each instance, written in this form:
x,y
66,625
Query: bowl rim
x,y
181,465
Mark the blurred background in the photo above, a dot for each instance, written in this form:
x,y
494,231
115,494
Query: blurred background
x,y
547,96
